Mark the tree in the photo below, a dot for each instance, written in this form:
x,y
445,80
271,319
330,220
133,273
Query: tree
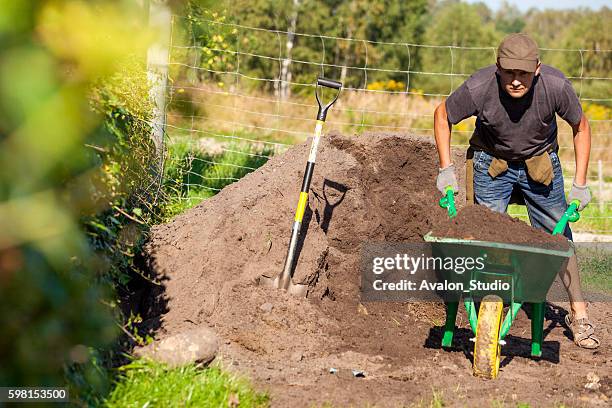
x,y
456,24
548,27
590,33
293,57
509,19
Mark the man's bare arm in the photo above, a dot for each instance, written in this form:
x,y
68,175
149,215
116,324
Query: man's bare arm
x,y
442,132
582,149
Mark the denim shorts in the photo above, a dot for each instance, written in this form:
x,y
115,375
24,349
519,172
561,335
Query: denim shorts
x,y
545,204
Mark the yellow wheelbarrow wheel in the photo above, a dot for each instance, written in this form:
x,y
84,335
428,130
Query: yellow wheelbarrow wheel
x,y
487,348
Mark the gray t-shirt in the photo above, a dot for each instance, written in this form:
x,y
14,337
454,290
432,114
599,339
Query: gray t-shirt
x,y
509,128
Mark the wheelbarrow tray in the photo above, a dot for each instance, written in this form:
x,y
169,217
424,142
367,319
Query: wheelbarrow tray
x,y
531,270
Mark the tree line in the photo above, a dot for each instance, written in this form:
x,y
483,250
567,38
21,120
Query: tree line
x,y
217,33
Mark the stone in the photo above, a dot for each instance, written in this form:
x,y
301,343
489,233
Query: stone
x,y
266,307
198,345
593,382
376,359
361,309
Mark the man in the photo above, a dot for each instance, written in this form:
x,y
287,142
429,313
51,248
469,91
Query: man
x,y
514,148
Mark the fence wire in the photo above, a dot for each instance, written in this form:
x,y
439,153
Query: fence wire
x,y
218,113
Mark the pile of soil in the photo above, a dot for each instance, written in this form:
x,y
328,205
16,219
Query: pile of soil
x,y
368,188
477,222
374,187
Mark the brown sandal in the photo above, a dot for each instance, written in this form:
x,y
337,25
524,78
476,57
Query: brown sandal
x,y
582,331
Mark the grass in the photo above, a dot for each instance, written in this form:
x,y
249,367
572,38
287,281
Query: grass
x,y
595,266
210,109
144,383
292,120
592,219
436,401
192,174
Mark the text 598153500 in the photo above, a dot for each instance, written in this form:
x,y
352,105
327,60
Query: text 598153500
x,y
33,394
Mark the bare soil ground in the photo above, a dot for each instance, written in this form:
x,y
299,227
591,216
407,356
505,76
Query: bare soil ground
x,y
370,188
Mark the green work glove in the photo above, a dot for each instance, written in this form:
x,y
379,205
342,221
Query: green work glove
x,y
446,177
580,193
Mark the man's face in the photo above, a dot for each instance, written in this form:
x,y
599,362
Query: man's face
x,y
516,82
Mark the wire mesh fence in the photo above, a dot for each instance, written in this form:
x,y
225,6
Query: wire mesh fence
x,y
242,95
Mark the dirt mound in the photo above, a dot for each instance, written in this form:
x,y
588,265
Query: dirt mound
x,y
374,187
369,188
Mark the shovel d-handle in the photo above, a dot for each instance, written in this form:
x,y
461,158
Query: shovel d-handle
x,y
328,83
287,274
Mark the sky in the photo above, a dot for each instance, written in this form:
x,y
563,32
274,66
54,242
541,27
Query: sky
x,y
524,5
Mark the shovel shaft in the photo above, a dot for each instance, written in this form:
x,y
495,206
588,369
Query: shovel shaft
x,y
287,273
308,172
283,281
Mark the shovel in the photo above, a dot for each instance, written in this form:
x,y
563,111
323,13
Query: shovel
x,y
284,279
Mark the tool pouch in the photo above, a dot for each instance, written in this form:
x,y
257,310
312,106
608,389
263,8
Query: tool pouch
x,y
497,167
540,168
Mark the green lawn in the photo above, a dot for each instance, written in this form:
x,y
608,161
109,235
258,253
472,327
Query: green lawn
x,y
595,267
192,175
592,219
143,383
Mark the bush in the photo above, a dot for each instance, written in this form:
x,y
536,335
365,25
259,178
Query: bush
x,y
52,307
59,164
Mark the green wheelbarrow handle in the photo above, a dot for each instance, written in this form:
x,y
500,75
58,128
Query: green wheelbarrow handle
x,y
448,202
570,215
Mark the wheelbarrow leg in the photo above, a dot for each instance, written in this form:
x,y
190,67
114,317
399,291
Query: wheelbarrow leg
x,y
449,327
537,329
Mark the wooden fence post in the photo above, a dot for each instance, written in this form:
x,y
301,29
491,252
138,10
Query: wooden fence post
x,y
600,183
157,71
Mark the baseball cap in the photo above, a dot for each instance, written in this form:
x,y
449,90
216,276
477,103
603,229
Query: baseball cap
x,y
518,51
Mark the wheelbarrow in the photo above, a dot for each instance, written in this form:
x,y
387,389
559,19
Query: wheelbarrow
x,y
527,271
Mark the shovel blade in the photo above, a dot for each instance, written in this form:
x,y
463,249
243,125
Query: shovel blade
x,y
297,289
269,282
275,283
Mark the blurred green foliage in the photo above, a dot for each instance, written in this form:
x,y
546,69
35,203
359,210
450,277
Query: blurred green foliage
x,y
457,24
204,26
128,179
67,158
80,187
